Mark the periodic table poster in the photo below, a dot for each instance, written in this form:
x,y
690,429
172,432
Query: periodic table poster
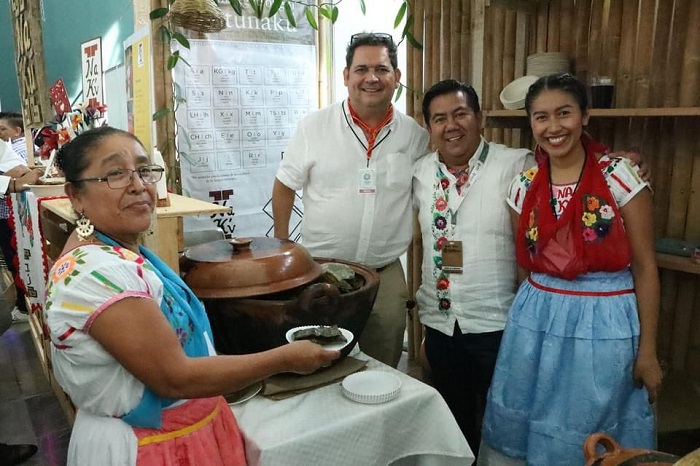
x,y
242,103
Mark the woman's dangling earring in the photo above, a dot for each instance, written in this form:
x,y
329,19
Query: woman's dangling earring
x,y
84,228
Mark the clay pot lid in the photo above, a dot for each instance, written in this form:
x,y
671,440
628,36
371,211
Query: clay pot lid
x,y
245,267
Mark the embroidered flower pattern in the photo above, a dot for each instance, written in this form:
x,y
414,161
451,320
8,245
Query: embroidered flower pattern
x,y
531,233
596,219
66,269
441,216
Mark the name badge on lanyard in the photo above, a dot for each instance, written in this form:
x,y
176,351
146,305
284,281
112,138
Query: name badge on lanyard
x,y
367,181
452,257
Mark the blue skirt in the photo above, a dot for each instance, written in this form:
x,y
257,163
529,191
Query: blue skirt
x,y
564,370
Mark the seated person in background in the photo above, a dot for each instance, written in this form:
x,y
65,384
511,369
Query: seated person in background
x,y
12,131
131,343
13,166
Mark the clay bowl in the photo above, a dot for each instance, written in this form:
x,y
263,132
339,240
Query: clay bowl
x,y
615,455
244,324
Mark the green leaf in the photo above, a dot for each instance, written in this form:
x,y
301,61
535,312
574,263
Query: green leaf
x,y
323,11
407,26
414,43
274,8
290,14
257,6
400,14
363,7
334,14
158,13
310,18
172,60
236,5
165,34
181,39
161,113
399,91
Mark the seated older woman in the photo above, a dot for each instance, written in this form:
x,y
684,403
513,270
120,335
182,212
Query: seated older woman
x,y
131,344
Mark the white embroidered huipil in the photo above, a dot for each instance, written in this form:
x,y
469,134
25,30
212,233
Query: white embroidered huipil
x,y
481,295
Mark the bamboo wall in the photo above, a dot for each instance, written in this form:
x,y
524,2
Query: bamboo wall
x,y
650,47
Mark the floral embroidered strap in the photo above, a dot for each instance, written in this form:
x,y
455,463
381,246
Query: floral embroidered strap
x,y
445,220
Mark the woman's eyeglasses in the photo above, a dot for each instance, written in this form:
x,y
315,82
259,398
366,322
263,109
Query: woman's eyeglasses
x,y
121,178
371,35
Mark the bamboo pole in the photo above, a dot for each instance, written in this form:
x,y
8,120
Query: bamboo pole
x,y
478,44
613,34
595,39
498,21
662,170
445,39
664,15
676,48
465,37
642,60
553,26
434,41
566,38
508,62
582,25
625,69
429,53
667,313
456,55
417,71
689,93
542,14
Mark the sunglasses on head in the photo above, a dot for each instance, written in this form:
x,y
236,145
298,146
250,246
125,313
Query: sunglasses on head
x,y
374,35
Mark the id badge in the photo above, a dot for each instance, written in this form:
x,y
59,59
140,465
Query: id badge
x,y
367,181
452,257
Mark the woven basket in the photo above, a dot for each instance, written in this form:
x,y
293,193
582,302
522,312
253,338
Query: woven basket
x,y
198,15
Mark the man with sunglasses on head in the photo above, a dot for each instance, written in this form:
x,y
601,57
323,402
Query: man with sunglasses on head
x,y
354,161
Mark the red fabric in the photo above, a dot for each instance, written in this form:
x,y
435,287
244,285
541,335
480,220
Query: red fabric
x,y
567,247
218,443
370,132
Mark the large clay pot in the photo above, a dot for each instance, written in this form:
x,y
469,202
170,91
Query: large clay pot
x,y
254,295
615,455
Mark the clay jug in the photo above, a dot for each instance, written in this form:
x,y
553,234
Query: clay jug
x,y
618,456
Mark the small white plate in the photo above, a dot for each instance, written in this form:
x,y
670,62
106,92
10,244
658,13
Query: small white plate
x,y
371,387
241,396
333,346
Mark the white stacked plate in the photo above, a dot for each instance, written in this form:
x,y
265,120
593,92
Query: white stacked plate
x,y
542,64
371,387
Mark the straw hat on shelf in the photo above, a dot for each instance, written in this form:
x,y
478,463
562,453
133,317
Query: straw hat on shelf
x,y
537,65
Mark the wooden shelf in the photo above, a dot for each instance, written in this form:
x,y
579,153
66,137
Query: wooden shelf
x,y
517,118
679,263
612,112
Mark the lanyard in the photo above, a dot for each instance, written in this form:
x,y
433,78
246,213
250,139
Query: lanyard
x,y
473,175
371,132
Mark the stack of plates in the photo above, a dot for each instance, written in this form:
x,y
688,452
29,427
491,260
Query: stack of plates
x,y
371,387
542,64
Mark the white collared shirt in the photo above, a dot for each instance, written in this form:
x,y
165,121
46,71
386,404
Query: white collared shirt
x,y
482,294
324,159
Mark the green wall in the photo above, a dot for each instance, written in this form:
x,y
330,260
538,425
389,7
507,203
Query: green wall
x,y
66,24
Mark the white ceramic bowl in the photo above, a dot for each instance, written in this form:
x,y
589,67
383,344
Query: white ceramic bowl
x,y
371,387
333,346
513,95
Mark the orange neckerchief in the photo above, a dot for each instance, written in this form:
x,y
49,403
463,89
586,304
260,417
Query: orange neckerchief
x,y
371,133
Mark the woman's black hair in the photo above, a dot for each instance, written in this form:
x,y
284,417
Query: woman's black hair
x,y
564,82
73,158
449,86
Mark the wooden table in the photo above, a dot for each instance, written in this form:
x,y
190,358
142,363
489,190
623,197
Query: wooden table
x,y
166,240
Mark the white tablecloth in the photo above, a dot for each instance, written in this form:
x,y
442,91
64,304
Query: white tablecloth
x,y
324,428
